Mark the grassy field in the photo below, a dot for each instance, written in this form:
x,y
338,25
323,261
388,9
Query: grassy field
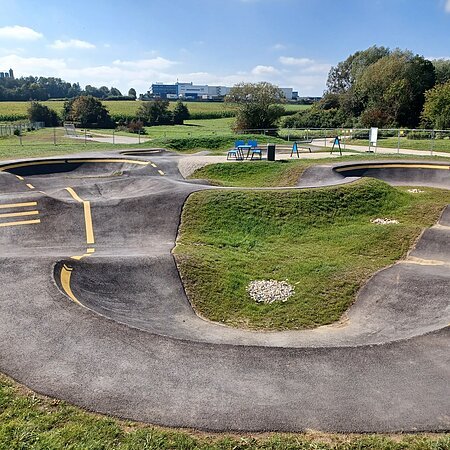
x,y
33,422
209,134
129,107
438,145
321,241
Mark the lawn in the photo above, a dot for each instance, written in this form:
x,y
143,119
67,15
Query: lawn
x,y
283,172
438,145
320,240
34,422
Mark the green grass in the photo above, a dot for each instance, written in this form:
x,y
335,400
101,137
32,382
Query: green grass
x,y
41,143
33,422
283,172
253,173
440,145
320,240
129,107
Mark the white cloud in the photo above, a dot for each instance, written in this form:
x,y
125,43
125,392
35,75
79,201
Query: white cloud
x,y
32,66
157,63
71,43
20,33
277,47
447,6
308,77
264,70
291,61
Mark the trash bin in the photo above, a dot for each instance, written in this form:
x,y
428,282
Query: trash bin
x,y
270,152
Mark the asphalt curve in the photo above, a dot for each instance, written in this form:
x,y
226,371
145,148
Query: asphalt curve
x,y
93,311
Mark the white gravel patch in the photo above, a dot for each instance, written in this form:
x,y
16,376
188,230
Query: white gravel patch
x,y
269,291
415,191
189,164
384,221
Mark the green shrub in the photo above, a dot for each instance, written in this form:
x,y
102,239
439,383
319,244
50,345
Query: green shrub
x,y
12,117
418,135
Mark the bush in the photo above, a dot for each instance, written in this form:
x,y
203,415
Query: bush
x,y
155,112
418,135
88,112
12,117
136,126
41,113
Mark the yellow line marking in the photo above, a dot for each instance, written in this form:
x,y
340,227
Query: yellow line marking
x,y
89,252
153,164
71,161
160,172
18,205
18,214
21,222
390,166
30,186
78,258
74,194
26,164
87,215
88,220
66,273
19,177
111,160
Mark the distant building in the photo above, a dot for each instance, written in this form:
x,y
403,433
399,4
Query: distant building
x,y
9,74
187,91
198,91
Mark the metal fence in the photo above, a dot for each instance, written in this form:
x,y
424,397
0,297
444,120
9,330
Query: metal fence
x,y
392,139
19,128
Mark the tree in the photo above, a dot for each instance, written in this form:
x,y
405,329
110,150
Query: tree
x,y
155,112
436,110
41,113
442,68
114,92
88,112
132,93
394,88
258,105
342,77
180,113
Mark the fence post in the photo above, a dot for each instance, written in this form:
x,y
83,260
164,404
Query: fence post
x,y
139,134
114,140
85,136
54,136
398,141
432,142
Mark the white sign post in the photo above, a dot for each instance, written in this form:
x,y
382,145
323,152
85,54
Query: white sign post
x,y
373,137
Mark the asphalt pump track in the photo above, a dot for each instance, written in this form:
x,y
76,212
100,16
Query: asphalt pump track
x,y
93,311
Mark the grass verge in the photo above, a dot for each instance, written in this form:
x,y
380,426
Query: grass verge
x,y
320,240
283,172
34,422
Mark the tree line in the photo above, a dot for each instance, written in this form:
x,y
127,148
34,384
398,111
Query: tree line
x,y
88,111
45,88
385,88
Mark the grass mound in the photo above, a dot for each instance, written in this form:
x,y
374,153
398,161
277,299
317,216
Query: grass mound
x,y
253,174
321,241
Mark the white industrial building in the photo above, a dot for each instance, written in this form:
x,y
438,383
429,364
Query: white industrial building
x,y
199,91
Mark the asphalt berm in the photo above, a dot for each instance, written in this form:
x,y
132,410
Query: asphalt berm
x,y
93,311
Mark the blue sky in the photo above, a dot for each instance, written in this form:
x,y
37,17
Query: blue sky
x,y
292,43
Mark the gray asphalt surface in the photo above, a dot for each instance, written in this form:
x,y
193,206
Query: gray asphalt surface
x,y
135,349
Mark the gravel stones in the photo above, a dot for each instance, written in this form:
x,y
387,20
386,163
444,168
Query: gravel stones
x,y
384,221
269,291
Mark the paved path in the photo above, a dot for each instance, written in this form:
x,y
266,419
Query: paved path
x,y
92,310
